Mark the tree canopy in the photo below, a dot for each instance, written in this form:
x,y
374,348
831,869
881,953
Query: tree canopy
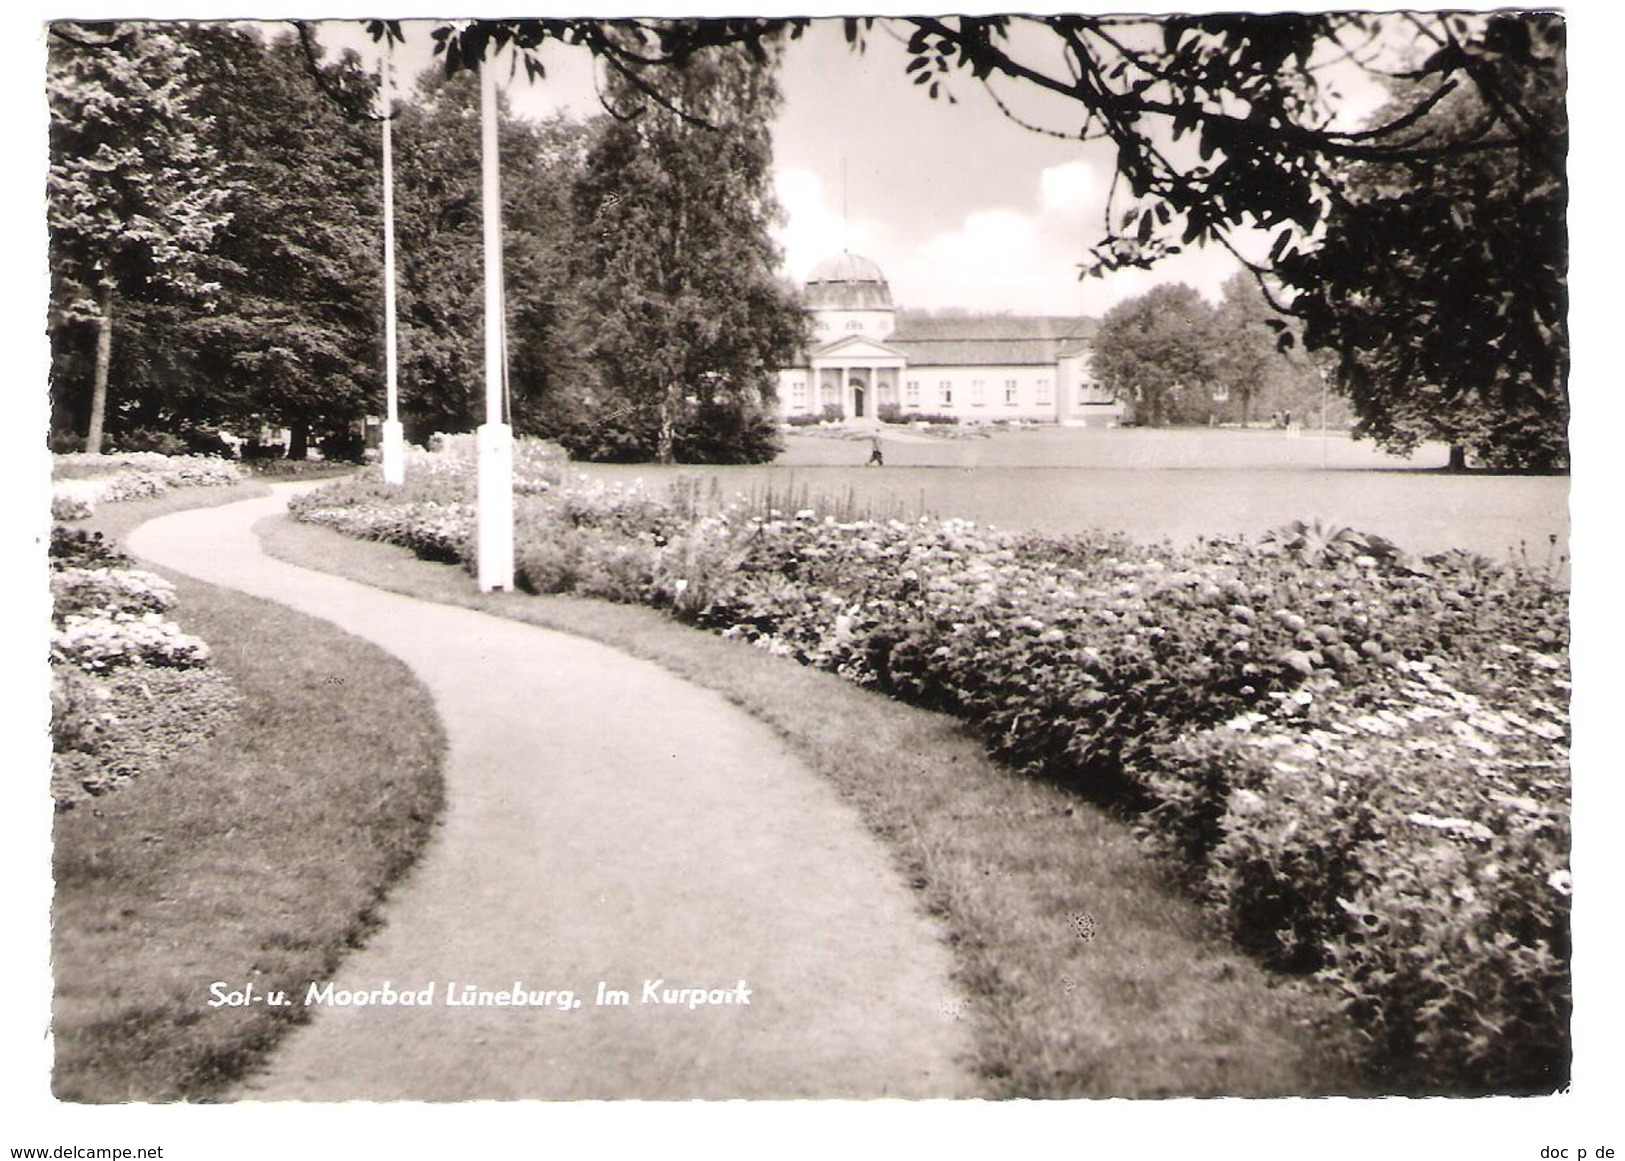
x,y
676,263
653,227
295,338
1174,359
1443,287
135,196
1157,352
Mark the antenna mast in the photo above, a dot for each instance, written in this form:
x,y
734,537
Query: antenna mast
x,y
846,226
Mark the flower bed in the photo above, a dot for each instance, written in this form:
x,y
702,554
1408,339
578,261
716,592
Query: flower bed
x,y
81,482
172,471
1358,758
110,728
129,688
77,589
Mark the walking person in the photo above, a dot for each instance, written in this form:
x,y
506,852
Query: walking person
x,y
875,458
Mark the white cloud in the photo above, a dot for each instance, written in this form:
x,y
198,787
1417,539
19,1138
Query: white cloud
x,y
991,243
996,258
813,230
1071,187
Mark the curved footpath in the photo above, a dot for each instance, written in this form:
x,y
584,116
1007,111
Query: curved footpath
x,y
605,821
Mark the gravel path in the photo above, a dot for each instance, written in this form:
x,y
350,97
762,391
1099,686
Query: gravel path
x,y
606,822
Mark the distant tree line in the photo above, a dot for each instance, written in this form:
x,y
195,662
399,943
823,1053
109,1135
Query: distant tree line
x,y
1172,358
216,234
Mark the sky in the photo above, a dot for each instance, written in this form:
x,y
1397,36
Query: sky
x,y
959,206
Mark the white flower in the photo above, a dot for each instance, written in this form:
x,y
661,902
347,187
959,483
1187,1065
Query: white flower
x,y
1245,802
1464,827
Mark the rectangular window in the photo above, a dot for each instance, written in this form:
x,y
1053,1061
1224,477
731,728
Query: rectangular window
x,y
798,390
946,392
1009,392
911,391
978,393
1043,391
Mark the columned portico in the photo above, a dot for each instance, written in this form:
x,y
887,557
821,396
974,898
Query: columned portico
x,y
857,375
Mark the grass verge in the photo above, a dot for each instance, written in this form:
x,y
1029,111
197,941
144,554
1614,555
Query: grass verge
x,y
1088,972
257,856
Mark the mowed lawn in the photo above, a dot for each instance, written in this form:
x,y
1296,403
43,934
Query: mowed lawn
x,y
1154,485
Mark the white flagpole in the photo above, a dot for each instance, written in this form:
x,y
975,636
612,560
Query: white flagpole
x,y
394,438
494,516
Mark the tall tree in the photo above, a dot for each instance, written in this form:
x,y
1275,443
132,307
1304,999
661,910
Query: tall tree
x,y
438,231
1157,352
1442,286
548,368
1255,371
1246,355
135,193
677,262
295,340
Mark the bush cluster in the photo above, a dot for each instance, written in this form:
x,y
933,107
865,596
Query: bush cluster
x,y
81,482
128,687
169,471
892,413
1359,758
109,729
803,420
705,432
108,617
78,548
76,589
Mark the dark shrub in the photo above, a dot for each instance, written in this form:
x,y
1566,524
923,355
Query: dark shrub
x,y
612,437
146,439
726,433
77,548
348,446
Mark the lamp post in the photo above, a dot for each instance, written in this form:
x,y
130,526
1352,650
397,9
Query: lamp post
x,y
494,439
394,452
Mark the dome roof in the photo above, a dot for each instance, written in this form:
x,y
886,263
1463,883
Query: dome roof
x,y
846,267
848,282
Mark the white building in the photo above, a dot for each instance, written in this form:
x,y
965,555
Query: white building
x,y
978,368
